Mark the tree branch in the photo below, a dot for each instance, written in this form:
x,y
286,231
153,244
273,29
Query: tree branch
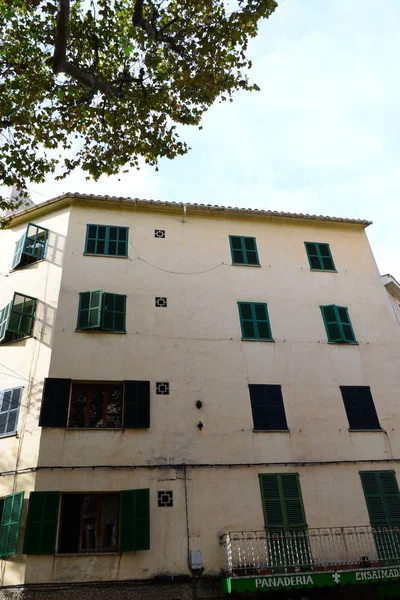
x,y
157,34
61,38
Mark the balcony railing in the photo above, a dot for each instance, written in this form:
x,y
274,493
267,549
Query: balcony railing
x,y
252,552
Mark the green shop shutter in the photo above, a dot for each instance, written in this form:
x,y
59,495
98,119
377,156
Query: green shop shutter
x,y
137,404
382,497
134,520
42,523
9,524
55,402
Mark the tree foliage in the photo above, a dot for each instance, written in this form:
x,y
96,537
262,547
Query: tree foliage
x,y
113,78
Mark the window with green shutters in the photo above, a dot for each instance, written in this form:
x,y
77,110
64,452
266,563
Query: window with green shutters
x,y
319,256
10,518
42,523
106,240
337,324
254,321
17,318
383,503
244,250
31,247
9,409
101,311
285,520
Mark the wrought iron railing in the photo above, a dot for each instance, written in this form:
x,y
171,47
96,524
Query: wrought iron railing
x,y
247,552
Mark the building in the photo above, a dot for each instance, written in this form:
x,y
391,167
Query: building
x,y
197,402
393,290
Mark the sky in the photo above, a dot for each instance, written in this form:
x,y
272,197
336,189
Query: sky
x,y
321,137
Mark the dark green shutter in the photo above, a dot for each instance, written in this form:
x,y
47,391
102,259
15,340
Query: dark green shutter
x,y
4,316
134,520
42,523
254,321
243,250
337,323
267,407
9,523
55,402
382,497
282,501
89,312
347,329
22,315
319,256
19,248
360,408
137,404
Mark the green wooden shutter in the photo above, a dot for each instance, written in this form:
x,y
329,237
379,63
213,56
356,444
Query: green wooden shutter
x,y
4,316
113,312
22,315
134,520
9,524
282,501
19,248
42,523
237,250
261,319
382,497
55,402
36,241
319,256
332,326
272,502
293,501
137,404
89,312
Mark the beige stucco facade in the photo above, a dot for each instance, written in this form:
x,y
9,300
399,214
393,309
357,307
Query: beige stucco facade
x,y
195,344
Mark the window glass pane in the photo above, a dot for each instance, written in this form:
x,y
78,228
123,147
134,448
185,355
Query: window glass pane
x,y
245,311
249,244
79,405
324,249
97,408
248,329
261,311
263,330
252,258
93,317
109,522
328,263
314,261
89,523
112,247
236,242
329,312
92,231
311,248
343,314
25,324
114,407
334,332
238,256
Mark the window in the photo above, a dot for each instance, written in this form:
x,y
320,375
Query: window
x,y
16,319
106,240
383,503
359,407
88,523
31,247
319,256
100,311
337,324
254,321
267,407
285,520
10,518
95,405
243,250
9,408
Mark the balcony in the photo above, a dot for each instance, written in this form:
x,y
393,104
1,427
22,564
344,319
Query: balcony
x,y
249,553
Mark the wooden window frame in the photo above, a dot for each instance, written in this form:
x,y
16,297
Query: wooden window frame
x,y
106,388
244,250
102,309
106,240
255,321
10,333
99,523
339,323
320,257
22,256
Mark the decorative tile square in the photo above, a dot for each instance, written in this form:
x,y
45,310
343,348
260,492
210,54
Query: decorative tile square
x,y
165,499
162,388
159,233
161,302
